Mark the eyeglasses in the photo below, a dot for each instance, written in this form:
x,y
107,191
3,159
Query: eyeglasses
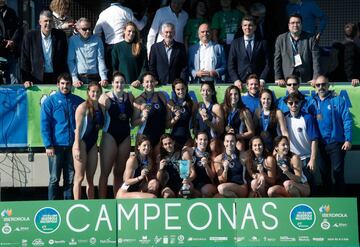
x,y
319,85
292,84
294,22
86,29
293,102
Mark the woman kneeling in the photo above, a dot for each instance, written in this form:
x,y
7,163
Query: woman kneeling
x,y
138,173
291,180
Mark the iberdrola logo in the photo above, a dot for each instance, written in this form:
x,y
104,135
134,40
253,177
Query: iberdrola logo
x,y
6,213
324,209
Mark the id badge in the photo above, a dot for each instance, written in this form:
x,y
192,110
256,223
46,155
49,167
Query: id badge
x,y
297,59
229,38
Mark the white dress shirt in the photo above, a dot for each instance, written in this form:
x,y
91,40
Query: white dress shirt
x,y
112,22
164,15
46,43
207,57
247,40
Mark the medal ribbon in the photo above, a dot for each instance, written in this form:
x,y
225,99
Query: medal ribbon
x,y
265,121
148,102
120,103
231,117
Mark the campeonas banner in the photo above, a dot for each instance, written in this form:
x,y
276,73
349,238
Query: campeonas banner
x,y
178,222
36,95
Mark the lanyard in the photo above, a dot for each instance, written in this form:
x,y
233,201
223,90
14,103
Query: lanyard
x,y
179,102
265,120
231,117
229,158
208,109
120,103
281,161
259,160
98,118
149,101
144,163
294,46
172,158
200,153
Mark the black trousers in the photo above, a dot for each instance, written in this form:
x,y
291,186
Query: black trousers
x,y
332,165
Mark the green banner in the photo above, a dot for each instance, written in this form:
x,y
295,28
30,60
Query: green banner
x,y
36,95
58,223
179,222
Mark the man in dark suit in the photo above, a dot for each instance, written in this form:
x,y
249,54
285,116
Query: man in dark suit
x,y
296,53
44,53
248,55
10,42
168,58
351,55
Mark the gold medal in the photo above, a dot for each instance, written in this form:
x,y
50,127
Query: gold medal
x,y
319,117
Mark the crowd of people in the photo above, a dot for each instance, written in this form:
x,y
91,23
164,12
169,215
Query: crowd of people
x,y
271,152
243,145
223,40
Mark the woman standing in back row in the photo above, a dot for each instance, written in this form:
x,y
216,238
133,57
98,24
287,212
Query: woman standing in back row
x,y
129,56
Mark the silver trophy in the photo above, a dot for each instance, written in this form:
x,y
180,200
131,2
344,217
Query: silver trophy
x,y
184,170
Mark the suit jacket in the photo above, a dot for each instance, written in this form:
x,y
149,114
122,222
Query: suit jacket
x,y
240,65
10,29
284,63
218,62
351,60
32,56
167,72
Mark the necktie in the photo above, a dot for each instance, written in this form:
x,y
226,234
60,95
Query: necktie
x,y
248,48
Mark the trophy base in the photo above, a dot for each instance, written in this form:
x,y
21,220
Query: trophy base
x,y
185,191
